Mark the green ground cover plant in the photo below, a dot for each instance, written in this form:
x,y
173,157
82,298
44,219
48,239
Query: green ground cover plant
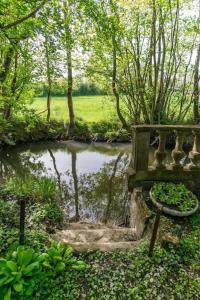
x,y
59,273
24,269
176,196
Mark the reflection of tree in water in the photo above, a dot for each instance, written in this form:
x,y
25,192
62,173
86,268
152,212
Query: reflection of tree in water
x,y
101,196
55,168
111,189
76,190
19,164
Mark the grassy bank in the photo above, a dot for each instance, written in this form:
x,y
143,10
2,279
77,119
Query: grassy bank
x,y
88,108
96,120
29,129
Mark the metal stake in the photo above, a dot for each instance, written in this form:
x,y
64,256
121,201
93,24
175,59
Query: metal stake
x,y
154,232
22,222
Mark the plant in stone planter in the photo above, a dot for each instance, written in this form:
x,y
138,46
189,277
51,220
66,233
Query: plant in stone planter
x,y
174,199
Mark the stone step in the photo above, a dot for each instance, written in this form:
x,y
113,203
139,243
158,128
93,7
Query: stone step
x,y
116,238
110,246
84,225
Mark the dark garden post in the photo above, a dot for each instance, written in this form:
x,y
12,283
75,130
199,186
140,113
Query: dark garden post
x,y
22,222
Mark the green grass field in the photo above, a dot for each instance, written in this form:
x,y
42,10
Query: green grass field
x,y
88,108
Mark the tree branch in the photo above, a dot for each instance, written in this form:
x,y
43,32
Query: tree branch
x,y
21,20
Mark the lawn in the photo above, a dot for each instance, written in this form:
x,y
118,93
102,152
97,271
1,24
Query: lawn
x,y
88,108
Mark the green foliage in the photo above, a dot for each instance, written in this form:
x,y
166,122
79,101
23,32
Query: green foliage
x,y
18,272
35,188
25,272
133,275
49,213
9,239
29,127
174,195
59,258
59,89
8,216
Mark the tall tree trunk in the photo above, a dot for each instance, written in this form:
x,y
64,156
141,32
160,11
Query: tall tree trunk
x,y
3,76
68,45
114,88
196,92
8,106
7,65
49,79
69,93
49,103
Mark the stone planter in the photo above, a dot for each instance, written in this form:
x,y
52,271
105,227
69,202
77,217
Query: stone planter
x,y
173,212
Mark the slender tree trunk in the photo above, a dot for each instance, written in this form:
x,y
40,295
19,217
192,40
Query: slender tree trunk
x,y
114,88
3,76
49,103
69,93
49,79
68,45
196,92
8,106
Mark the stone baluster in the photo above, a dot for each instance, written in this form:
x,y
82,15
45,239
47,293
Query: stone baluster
x,y
141,143
194,155
160,153
178,153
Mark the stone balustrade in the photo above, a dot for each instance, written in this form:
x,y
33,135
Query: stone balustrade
x,y
140,167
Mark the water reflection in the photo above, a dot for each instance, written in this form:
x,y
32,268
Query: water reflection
x,y
91,178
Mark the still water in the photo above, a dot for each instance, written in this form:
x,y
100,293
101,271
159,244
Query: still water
x,y
93,176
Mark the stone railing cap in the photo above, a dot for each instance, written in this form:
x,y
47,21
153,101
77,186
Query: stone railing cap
x,y
166,127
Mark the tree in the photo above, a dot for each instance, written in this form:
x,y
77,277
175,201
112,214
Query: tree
x,y
196,92
13,37
10,6
50,56
65,23
153,49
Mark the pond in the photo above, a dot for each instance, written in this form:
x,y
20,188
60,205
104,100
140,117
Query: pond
x,y
91,177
